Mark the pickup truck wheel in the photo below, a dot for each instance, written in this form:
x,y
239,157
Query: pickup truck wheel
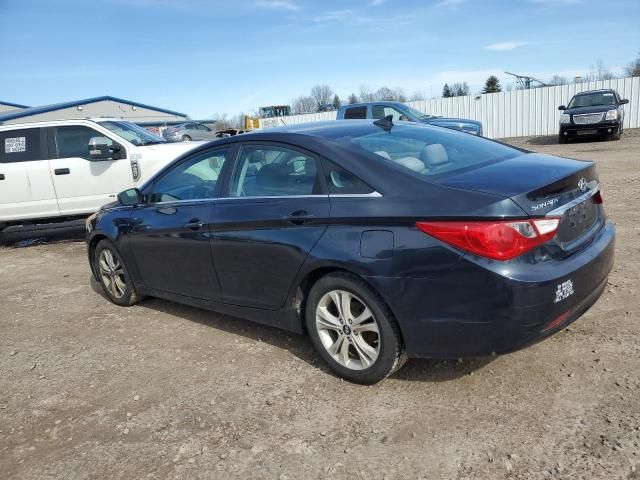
x,y
186,138
113,275
562,139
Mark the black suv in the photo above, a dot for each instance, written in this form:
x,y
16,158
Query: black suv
x,y
591,113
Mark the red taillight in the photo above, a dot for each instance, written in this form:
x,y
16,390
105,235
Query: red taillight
x,y
597,198
499,240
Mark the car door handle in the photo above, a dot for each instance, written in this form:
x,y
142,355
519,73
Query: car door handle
x,y
194,224
299,217
62,171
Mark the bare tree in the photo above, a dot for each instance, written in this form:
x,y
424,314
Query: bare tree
x,y
224,121
366,95
385,94
304,104
633,69
322,94
558,80
459,89
416,96
600,72
353,98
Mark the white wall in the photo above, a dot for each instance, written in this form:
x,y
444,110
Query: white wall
x,y
519,113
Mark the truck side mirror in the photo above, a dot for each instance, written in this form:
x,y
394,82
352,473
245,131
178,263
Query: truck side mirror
x,y
99,149
562,107
130,197
624,101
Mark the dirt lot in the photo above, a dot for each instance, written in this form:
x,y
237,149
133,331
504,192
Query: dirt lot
x,y
92,390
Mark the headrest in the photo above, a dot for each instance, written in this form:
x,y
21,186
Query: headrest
x,y
434,155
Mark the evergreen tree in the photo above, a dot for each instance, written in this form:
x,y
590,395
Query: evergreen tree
x,y
353,99
446,91
336,101
492,85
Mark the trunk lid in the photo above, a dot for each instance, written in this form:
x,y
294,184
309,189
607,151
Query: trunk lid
x,y
541,185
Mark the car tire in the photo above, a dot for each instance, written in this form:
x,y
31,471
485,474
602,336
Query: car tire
x,y
113,276
562,139
363,345
616,135
186,138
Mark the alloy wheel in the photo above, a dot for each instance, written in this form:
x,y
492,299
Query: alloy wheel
x,y
112,273
348,330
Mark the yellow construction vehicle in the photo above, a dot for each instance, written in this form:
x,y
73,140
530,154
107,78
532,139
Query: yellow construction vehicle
x,y
272,111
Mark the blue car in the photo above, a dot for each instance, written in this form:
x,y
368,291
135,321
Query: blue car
x,y
403,112
380,241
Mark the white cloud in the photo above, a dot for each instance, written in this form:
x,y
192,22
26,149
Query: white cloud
x,y
505,46
278,5
449,3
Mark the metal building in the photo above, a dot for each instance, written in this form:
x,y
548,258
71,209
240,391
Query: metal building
x,y
106,106
10,107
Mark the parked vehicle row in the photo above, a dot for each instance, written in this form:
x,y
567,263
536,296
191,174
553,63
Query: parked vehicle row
x,y
381,240
70,168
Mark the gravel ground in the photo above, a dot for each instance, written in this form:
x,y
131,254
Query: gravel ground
x,y
160,390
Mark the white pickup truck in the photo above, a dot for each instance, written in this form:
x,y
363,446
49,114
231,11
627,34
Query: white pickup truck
x,y
65,169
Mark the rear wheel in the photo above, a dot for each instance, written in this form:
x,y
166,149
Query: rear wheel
x,y
113,275
562,139
353,330
186,138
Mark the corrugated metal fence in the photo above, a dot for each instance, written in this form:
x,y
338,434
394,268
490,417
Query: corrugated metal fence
x,y
519,113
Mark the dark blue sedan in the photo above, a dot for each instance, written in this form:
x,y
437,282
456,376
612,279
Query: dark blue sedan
x,y
380,241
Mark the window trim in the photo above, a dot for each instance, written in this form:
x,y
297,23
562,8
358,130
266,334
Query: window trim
x,y
226,192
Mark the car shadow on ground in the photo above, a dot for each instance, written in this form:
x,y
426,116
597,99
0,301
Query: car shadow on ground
x,y
18,239
424,370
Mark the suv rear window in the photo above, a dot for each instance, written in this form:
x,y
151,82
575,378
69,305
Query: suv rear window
x,y
355,113
428,150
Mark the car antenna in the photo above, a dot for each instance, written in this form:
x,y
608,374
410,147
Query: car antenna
x,y
385,123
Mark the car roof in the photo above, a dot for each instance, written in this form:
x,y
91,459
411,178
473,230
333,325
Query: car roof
x,y
600,90
364,104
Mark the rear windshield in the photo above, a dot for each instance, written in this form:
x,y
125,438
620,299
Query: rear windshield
x,y
428,150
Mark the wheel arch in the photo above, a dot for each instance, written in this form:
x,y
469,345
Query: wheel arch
x,y
309,279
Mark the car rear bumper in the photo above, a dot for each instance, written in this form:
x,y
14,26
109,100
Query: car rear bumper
x,y
602,128
488,311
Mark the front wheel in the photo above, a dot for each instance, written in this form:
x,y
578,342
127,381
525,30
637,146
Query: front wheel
x,y
113,275
353,330
616,135
186,138
562,139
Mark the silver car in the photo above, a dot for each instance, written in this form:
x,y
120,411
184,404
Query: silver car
x,y
186,132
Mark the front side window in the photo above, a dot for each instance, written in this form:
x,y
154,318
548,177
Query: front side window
x,y
194,179
21,145
381,111
273,172
73,141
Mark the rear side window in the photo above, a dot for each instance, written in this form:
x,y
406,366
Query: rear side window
x,y
22,145
73,141
273,171
341,182
355,113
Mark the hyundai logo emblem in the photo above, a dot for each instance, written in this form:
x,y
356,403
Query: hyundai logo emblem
x,y
582,184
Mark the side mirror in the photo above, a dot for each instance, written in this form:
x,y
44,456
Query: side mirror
x,y
99,149
562,107
130,197
624,101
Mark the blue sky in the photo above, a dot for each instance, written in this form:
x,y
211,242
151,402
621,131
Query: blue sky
x,y
204,57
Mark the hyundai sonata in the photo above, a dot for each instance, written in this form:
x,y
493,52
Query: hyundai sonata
x,y
380,241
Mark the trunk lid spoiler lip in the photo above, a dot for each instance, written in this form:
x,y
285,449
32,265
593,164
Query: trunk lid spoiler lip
x,y
593,188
